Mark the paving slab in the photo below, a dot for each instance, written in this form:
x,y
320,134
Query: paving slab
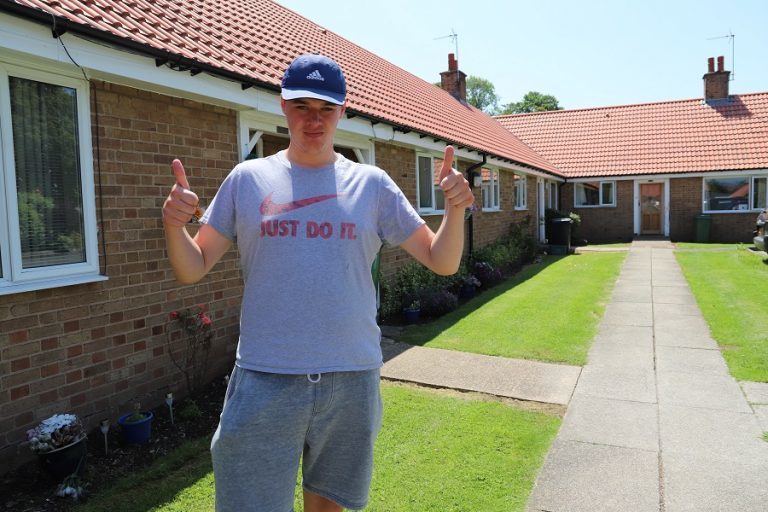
x,y
612,422
673,295
756,392
582,477
638,356
761,411
692,332
701,390
512,378
628,313
631,293
624,334
690,360
700,483
720,434
667,311
635,385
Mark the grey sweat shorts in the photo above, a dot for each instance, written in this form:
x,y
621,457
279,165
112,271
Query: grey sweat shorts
x,y
270,421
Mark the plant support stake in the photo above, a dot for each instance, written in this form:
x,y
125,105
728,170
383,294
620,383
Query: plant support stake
x,y
104,427
169,401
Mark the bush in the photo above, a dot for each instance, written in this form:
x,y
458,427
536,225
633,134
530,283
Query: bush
x,y
437,302
410,282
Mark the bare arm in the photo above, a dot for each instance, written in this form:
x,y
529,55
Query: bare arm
x,y
441,251
191,258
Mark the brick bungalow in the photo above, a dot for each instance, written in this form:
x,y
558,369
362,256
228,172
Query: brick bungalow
x,y
96,99
654,169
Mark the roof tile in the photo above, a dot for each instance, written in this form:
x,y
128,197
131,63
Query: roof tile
x,y
257,39
652,138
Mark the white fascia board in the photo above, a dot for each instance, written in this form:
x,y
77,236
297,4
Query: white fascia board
x,y
649,178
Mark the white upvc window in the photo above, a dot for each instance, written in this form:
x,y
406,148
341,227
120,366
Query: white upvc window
x,y
490,189
48,234
521,192
726,194
430,195
595,193
552,195
759,192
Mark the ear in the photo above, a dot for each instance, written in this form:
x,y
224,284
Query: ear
x,y
282,104
343,109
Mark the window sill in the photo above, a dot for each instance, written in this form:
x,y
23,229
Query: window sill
x,y
30,286
435,213
596,206
728,212
521,208
491,210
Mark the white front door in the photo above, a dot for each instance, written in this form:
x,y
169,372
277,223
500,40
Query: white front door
x,y
541,205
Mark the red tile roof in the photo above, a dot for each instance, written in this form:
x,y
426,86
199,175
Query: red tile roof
x,y
257,39
655,138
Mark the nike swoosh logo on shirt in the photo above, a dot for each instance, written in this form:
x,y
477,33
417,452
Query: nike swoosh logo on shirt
x,y
269,207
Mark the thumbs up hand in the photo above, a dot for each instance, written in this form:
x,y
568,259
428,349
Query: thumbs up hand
x,y
455,186
181,205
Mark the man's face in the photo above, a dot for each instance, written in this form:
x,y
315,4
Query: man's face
x,y
312,124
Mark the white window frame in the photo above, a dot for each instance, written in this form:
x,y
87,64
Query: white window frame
x,y
750,201
521,191
601,201
493,186
431,209
552,195
16,279
752,197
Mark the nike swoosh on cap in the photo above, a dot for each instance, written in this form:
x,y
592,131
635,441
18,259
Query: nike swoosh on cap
x,y
269,207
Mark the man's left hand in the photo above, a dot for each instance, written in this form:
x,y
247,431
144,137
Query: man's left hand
x,y
455,186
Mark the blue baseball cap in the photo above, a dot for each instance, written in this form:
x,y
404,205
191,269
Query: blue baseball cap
x,y
314,76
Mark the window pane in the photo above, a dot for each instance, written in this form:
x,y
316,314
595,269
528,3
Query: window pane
x,y
425,182
588,194
520,191
607,193
496,200
760,194
45,144
722,194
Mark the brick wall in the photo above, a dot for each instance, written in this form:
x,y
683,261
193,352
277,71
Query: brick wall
x,y
488,226
686,204
603,224
91,349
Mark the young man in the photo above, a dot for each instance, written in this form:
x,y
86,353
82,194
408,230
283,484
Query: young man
x,y
308,223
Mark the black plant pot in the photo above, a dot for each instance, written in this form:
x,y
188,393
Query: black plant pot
x,y
65,461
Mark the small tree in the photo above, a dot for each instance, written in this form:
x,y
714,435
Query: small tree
x,y
481,94
532,102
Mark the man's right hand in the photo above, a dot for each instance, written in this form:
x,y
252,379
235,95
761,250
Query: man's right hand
x,y
181,204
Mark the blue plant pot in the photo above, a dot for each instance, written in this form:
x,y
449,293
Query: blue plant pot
x,y
136,432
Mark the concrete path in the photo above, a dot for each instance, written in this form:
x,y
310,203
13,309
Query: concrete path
x,y
511,378
656,423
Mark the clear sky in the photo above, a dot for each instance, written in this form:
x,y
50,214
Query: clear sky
x,y
586,53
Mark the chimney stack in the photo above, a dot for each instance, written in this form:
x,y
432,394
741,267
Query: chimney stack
x,y
453,80
716,82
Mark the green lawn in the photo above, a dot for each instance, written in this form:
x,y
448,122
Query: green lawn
x,y
547,312
730,288
435,454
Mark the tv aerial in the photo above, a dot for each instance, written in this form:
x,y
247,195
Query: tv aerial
x,y
732,41
455,37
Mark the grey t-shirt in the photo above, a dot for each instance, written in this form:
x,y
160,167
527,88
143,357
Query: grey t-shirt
x,y
307,239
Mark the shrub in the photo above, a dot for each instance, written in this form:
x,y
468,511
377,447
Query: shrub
x,y
437,302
